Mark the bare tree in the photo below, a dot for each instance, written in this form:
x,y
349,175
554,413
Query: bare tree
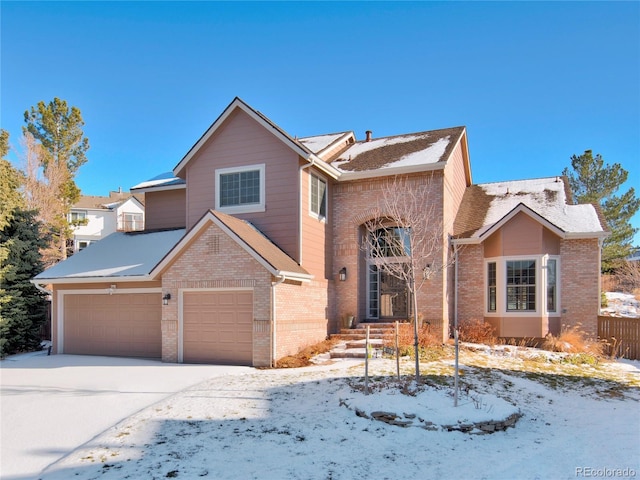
x,y
407,237
629,276
44,184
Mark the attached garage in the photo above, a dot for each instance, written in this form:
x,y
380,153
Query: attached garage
x,y
217,327
126,324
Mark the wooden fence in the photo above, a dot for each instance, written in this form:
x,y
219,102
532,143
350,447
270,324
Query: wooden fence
x,y
622,334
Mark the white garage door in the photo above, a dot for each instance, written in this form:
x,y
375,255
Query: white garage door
x,y
218,327
126,325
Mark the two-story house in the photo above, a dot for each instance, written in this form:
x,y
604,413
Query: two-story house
x,y
94,217
252,249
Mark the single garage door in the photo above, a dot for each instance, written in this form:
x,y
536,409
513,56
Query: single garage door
x,y
218,327
125,325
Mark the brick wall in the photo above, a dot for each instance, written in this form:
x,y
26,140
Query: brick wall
x,y
215,261
301,317
580,284
353,204
471,283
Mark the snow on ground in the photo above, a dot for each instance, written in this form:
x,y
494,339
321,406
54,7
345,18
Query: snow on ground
x,y
302,424
621,305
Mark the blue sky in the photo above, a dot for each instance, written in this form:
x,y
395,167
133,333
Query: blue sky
x,y
534,83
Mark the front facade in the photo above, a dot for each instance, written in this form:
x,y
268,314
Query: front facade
x,y
252,249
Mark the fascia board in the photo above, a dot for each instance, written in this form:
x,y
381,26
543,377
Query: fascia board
x,y
181,186
390,172
522,208
63,280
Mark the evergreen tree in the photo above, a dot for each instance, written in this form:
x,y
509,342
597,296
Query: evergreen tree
x,y
592,181
22,306
59,130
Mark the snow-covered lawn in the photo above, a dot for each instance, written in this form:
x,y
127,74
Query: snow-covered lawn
x,y
621,305
577,421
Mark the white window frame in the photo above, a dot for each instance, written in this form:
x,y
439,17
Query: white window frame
x,y
326,195
541,287
77,213
245,208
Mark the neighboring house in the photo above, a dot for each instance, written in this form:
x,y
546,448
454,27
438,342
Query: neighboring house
x,y
252,249
94,217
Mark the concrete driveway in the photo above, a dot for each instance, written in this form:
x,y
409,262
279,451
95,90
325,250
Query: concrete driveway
x,y
50,405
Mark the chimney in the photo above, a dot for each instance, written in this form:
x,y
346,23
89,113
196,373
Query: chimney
x,y
368,133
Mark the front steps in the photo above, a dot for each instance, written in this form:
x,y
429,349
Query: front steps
x,y
354,339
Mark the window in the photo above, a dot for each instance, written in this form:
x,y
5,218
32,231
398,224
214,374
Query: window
x,y
77,218
318,193
131,222
82,244
551,285
240,190
491,286
521,285
391,242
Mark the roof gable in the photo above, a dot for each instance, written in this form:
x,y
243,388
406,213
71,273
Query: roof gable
x,y
280,134
248,237
486,207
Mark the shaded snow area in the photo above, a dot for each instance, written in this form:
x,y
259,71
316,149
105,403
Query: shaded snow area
x,y
308,424
621,305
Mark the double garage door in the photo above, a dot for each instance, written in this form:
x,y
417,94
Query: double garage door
x,y
126,325
217,326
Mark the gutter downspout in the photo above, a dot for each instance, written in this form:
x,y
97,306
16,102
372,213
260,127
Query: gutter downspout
x,y
300,169
455,324
279,280
600,245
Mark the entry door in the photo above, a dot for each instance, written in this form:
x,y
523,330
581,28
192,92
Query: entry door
x,y
387,295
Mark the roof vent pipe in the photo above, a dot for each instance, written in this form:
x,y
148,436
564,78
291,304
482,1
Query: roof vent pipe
x,y
368,133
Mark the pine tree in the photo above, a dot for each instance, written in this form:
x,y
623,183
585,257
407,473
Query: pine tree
x,y
592,181
22,306
59,130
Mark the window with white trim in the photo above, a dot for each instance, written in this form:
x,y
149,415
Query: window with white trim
x,y
240,189
522,285
317,196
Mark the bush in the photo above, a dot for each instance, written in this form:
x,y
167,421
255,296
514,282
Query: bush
x,y
429,345
477,331
572,340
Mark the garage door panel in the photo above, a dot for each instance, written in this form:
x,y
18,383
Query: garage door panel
x,y
218,327
119,324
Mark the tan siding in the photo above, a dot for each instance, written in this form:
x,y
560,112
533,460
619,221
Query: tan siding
x,y
316,233
522,235
241,141
165,209
455,183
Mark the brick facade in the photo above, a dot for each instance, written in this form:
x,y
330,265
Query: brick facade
x,y
356,202
580,284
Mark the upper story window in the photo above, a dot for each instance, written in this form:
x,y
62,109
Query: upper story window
x,y
78,218
318,193
390,242
240,189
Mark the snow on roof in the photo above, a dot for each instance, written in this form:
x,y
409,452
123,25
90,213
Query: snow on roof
x,y
415,149
117,255
545,196
319,142
163,180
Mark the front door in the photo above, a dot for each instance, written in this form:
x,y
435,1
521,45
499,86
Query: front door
x,y
388,296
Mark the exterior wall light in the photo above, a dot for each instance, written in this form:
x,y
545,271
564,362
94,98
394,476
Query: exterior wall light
x,y
166,298
342,274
